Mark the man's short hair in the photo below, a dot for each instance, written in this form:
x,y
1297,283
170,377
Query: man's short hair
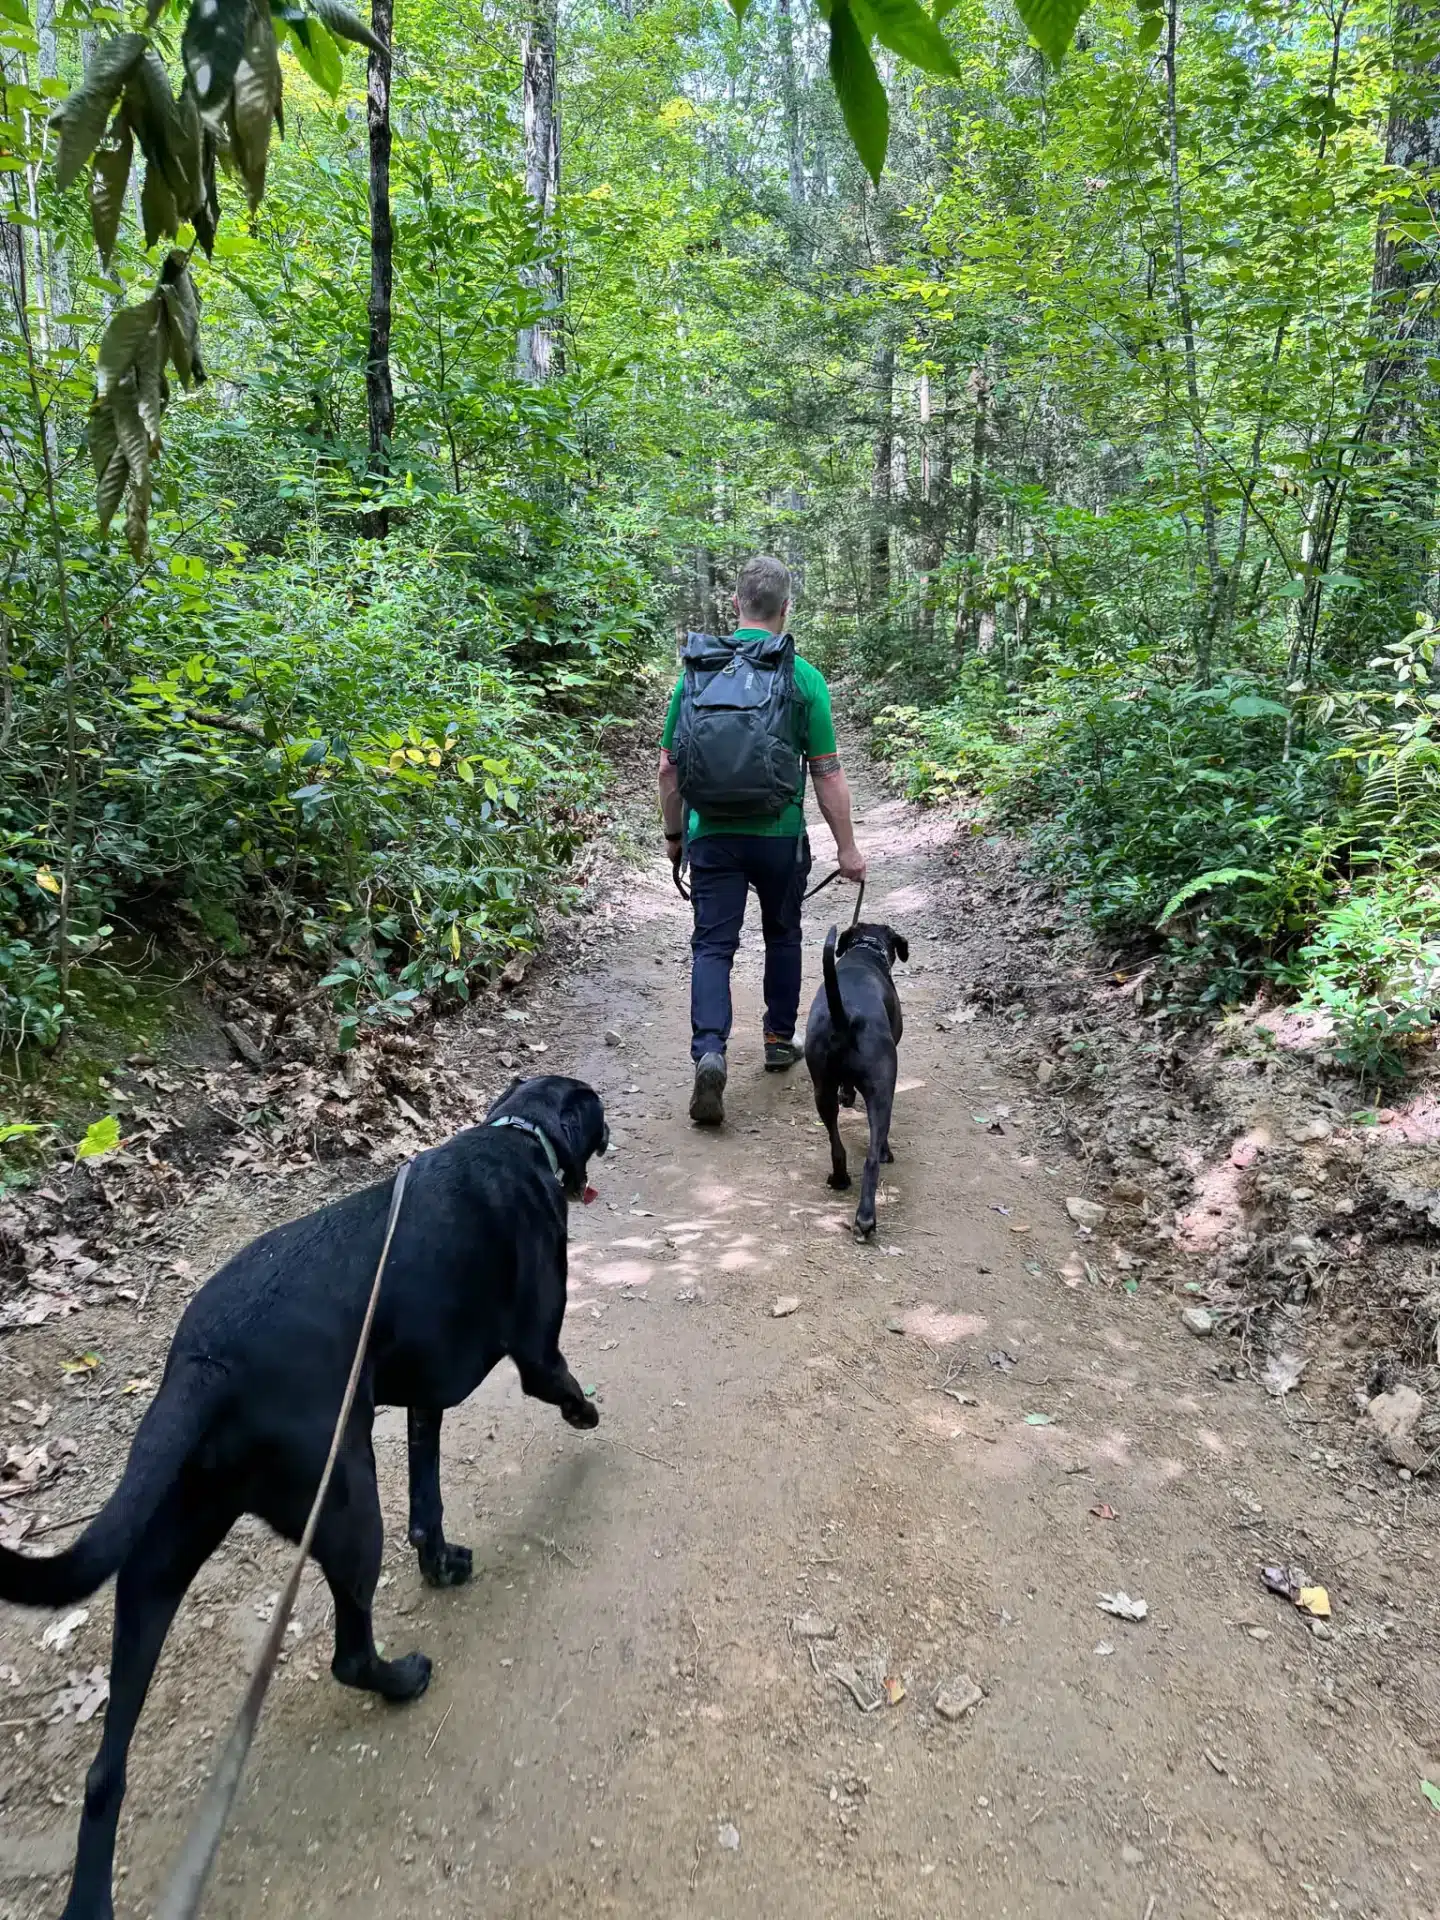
x,y
763,587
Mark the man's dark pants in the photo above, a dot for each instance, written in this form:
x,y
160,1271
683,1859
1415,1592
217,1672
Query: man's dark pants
x,y
723,866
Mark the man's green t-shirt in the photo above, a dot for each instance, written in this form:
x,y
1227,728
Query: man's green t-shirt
x,y
814,737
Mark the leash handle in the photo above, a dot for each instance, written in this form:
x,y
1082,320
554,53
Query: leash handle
x,y
186,1886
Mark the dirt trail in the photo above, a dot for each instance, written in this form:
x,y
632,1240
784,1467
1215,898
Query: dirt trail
x,y
623,1690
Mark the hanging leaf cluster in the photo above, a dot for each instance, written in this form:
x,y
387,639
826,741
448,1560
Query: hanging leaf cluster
x,y
229,99
131,392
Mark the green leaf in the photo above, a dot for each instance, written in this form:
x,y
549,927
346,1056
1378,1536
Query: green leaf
x,y
858,89
84,115
109,178
1151,28
942,10
157,206
1052,24
17,1130
212,45
258,89
1251,706
906,28
1431,1793
122,343
318,55
1206,883
1039,1419
348,26
101,1136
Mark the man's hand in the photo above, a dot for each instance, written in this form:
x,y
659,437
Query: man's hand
x,y
852,863
675,848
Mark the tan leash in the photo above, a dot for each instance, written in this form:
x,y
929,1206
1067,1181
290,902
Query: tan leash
x,y
182,1896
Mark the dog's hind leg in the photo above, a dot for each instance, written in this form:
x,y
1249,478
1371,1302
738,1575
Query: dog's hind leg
x,y
151,1584
441,1565
348,1544
827,1105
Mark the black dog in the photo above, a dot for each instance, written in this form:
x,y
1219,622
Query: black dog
x,y
244,1415
850,1047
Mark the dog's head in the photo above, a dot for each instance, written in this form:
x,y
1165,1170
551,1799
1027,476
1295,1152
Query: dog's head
x,y
572,1116
875,937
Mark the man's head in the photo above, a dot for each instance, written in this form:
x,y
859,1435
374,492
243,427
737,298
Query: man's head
x,y
762,593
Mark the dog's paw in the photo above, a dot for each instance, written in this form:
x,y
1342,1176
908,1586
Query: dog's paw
x,y
888,1157
451,1567
863,1229
403,1679
581,1413
839,1181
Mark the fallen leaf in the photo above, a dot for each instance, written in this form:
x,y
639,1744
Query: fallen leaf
x,y
138,1386
1282,1374
60,1632
1103,1512
1431,1792
1002,1359
894,1689
83,1697
1122,1606
86,1363
1039,1419
1314,1601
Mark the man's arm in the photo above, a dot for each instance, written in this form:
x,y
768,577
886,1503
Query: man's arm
x,y
670,805
832,792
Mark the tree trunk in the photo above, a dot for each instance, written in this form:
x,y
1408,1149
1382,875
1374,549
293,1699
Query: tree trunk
x,y
1394,475
379,392
937,494
880,480
1205,632
57,260
539,351
980,392
790,108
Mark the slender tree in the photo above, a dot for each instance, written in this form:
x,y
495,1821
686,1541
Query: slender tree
x,y
540,352
1389,541
379,388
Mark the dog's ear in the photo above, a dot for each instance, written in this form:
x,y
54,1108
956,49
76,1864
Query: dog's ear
x,y
900,945
846,941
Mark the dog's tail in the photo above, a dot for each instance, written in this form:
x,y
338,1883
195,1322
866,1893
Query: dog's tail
x,y
839,1018
173,1423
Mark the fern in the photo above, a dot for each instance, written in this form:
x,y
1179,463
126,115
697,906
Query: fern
x,y
1206,883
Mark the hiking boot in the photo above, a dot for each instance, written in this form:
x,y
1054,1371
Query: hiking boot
x,y
781,1055
707,1102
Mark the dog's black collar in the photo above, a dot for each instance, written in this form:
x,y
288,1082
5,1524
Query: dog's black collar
x,y
871,945
529,1126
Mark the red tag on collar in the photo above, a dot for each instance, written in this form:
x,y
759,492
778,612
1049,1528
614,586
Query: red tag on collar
x,y
590,1195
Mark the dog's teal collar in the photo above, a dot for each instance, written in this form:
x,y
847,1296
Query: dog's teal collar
x,y
529,1126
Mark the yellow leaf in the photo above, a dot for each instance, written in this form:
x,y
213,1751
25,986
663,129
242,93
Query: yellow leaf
x,y
46,879
1314,1600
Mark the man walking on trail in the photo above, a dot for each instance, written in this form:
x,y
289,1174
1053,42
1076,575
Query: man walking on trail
x,y
746,718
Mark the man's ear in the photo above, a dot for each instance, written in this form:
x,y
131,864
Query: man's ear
x,y
901,946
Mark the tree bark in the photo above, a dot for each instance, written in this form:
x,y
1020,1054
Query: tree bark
x,y
540,354
937,494
379,390
881,474
57,260
1393,482
790,109
980,392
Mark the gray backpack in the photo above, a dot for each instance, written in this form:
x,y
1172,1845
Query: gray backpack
x,y
734,741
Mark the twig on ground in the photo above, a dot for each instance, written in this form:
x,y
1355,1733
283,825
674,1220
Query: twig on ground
x,y
438,1731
